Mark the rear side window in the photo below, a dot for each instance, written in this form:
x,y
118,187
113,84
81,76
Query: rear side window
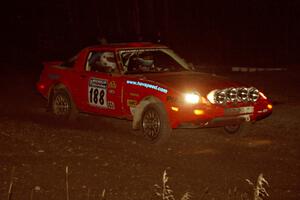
x,y
101,61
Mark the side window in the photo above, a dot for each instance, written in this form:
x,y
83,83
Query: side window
x,y
149,62
138,62
165,63
101,61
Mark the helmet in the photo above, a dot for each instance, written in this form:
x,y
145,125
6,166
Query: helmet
x,y
146,60
107,59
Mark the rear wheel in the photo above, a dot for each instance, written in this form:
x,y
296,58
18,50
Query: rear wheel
x,y
155,124
62,106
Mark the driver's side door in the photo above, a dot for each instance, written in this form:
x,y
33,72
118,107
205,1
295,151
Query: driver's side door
x,y
101,86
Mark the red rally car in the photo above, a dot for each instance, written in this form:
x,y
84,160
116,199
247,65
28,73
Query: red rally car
x,y
150,85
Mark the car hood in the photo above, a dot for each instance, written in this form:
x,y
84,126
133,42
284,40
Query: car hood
x,y
190,81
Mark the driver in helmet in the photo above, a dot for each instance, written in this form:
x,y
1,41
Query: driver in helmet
x,y
107,61
145,63
103,62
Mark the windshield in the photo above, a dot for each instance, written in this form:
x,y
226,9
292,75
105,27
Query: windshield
x,y
136,61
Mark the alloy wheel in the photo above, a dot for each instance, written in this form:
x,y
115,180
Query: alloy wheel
x,y
151,124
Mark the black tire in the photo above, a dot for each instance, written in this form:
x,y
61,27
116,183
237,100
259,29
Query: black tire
x,y
62,106
242,130
232,129
155,124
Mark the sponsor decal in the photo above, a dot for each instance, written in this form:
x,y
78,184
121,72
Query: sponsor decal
x,y
139,50
111,91
97,92
147,85
99,83
131,102
112,85
111,105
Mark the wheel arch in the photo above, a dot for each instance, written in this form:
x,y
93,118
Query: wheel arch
x,y
140,108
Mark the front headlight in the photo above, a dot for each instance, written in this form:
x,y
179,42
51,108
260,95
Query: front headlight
x,y
192,98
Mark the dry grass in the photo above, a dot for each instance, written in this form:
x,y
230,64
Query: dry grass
x,y
259,191
165,192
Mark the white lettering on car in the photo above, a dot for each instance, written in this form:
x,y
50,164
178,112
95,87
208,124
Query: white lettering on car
x,y
147,85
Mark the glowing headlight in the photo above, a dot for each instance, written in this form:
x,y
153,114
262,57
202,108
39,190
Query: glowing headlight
x,y
220,97
192,98
231,94
253,94
242,94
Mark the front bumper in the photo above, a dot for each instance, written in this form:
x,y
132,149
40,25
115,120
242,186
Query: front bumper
x,y
218,116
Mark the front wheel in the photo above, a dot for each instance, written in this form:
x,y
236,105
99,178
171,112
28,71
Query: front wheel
x,y
155,124
232,129
243,129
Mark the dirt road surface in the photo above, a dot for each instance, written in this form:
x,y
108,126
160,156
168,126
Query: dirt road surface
x,y
104,155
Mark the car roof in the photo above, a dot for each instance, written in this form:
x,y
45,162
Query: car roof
x,y
129,45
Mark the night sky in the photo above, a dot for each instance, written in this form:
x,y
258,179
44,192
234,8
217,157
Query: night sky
x,y
206,32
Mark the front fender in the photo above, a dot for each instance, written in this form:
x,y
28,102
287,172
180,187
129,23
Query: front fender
x,y
140,108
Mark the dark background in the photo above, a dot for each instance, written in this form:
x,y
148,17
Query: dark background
x,y
262,33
